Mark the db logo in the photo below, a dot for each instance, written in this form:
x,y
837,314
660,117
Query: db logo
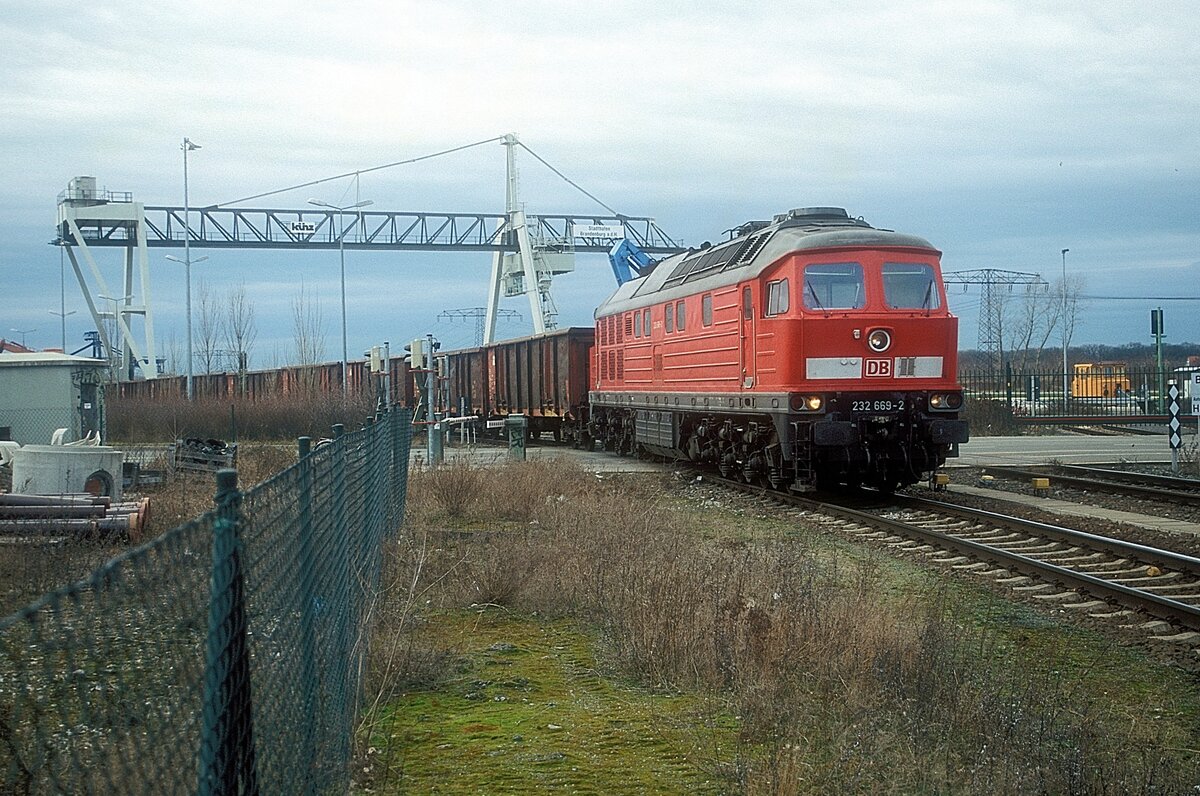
x,y
879,367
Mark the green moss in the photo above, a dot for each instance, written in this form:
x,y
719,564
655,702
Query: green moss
x,y
531,711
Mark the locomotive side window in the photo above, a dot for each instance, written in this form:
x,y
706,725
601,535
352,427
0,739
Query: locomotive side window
x,y
637,324
778,301
910,286
747,304
646,322
680,315
706,309
669,318
833,286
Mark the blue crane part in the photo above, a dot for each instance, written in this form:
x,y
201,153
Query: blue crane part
x,y
628,261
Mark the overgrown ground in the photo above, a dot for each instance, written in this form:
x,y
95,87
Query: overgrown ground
x,y
543,627
30,569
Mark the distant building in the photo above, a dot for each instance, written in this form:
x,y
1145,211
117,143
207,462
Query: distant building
x,y
9,347
44,391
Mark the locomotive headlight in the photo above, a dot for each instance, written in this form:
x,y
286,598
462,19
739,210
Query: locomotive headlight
x,y
879,340
807,403
945,402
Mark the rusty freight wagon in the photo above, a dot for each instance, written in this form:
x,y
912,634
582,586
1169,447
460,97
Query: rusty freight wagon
x,y
544,378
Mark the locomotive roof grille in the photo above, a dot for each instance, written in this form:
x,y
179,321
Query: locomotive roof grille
x,y
731,255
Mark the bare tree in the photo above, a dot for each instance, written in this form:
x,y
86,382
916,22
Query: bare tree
x,y
208,328
1040,317
241,329
174,354
308,328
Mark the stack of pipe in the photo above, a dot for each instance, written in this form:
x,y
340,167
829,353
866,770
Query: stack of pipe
x,y
75,515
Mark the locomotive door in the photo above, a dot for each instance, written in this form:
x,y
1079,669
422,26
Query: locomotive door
x,y
747,337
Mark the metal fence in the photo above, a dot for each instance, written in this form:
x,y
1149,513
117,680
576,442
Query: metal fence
x,y
1102,392
225,656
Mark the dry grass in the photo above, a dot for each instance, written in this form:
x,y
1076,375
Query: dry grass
x,y
837,689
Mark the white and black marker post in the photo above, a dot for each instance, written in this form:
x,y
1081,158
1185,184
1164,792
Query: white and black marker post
x,y
1174,429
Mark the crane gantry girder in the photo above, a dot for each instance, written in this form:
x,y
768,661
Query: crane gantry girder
x,y
258,228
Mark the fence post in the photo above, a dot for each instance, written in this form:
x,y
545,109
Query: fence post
x,y
308,614
227,759
344,612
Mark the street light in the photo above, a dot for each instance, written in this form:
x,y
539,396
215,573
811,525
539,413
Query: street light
x,y
341,211
63,316
1064,326
116,323
187,146
187,271
23,332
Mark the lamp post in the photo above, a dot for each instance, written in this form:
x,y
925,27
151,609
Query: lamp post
x,y
63,317
117,332
1066,376
341,211
23,332
187,270
187,146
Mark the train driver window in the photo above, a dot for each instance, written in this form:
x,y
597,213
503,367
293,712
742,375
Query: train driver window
x,y
747,304
833,286
706,309
910,286
669,318
777,297
680,315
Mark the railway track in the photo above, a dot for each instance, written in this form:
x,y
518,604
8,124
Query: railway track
x,y
1185,491
1155,590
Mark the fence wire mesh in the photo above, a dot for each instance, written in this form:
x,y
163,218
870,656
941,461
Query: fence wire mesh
x,y
225,656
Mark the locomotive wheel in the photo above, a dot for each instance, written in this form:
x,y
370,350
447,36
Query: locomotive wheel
x,y
727,465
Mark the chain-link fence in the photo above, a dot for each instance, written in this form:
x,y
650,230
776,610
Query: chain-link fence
x,y
225,656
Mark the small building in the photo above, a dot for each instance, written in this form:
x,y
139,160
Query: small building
x,y
44,391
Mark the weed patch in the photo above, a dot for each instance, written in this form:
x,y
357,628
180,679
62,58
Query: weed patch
x,y
807,665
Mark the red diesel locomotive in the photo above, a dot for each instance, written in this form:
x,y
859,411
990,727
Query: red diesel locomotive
x,y
806,352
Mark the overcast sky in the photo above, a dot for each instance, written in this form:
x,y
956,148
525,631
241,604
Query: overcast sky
x,y
1001,131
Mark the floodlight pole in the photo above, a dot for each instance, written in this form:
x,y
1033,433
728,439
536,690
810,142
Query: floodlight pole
x,y
187,146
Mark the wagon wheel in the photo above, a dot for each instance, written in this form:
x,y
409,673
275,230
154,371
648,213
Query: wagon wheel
x,y
775,477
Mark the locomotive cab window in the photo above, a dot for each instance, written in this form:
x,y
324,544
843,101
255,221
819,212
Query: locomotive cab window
x,y
669,318
646,322
910,286
706,309
833,286
680,316
777,297
637,324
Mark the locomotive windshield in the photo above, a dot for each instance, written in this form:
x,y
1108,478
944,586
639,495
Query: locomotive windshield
x,y
910,286
833,286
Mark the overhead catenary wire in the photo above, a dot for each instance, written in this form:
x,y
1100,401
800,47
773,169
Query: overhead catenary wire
x,y
357,172
567,179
